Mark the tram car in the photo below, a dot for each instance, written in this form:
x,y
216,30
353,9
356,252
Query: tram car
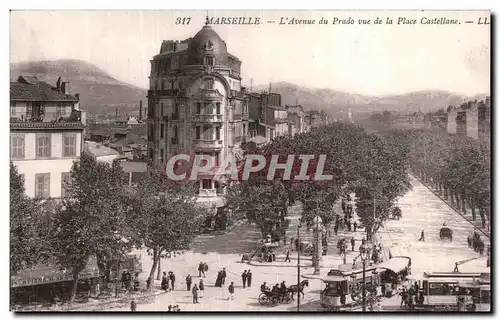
x,y
342,285
456,290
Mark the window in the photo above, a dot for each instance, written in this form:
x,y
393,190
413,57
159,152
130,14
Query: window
x,y
151,154
60,110
198,108
42,185
161,111
163,85
176,109
69,145
207,132
206,184
65,180
12,109
162,129
217,108
209,84
43,145
217,133
162,153
209,60
198,132
176,133
216,159
17,146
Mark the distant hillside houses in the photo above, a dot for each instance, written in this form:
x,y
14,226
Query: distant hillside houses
x,y
471,119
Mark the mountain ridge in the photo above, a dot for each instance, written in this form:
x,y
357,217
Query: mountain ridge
x,y
101,93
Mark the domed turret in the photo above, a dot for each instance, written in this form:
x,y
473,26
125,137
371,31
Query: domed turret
x,y
207,43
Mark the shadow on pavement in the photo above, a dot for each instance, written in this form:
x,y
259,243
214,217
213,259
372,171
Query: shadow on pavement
x,y
307,307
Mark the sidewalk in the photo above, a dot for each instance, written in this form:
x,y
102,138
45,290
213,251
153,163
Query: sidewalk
x,y
466,216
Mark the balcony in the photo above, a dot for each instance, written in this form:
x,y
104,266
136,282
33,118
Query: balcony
x,y
244,116
47,120
206,144
208,118
167,92
210,94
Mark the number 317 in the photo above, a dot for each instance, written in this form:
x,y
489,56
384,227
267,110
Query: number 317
x,y
182,21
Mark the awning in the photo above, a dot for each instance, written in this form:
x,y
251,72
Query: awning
x,y
396,264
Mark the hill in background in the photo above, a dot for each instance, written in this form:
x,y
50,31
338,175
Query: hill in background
x,y
99,92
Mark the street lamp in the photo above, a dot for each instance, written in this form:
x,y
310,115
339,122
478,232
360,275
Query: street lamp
x,y
317,236
364,256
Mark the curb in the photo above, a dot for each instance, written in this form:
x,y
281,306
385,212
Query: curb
x,y
453,208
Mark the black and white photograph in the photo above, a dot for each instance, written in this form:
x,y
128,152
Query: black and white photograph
x,y
250,161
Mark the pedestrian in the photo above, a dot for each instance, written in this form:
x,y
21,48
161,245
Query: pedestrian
x,y
201,288
287,258
189,279
136,282
355,225
231,291
264,287
404,295
195,294
223,276
218,281
200,269
205,269
133,306
353,243
172,279
164,282
244,278
469,241
170,308
249,278
282,291
349,226
422,236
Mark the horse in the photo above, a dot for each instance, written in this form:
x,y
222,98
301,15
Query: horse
x,y
446,233
292,289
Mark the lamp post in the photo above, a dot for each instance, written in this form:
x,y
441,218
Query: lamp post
x,y
363,260
317,236
298,266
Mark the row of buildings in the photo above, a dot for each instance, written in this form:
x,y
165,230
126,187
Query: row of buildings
x,y
471,118
196,105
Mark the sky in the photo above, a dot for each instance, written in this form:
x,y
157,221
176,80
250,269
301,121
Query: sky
x,y
365,59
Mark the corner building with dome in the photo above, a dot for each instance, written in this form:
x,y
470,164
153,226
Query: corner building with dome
x,y
196,105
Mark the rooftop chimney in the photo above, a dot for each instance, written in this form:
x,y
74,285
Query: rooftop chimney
x,y
65,88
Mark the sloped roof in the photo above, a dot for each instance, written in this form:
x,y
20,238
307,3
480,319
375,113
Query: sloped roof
x,y
29,88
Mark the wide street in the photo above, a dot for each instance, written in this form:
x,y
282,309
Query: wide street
x,y
422,210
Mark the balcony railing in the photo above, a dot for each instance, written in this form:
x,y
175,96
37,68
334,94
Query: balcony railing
x,y
205,192
167,92
208,118
207,144
210,94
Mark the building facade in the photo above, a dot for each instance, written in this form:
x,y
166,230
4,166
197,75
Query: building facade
x,y
471,119
196,104
46,129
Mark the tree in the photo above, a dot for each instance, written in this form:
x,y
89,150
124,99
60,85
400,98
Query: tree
x,y
165,216
25,246
90,221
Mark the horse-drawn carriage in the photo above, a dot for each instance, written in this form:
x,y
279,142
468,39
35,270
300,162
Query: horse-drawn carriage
x,y
273,298
446,233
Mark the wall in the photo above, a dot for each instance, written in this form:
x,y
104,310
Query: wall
x,y
29,166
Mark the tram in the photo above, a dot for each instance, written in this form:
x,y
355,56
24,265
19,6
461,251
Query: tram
x,y
456,290
342,285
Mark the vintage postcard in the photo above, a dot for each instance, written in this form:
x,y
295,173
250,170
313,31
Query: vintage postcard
x,y
180,161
